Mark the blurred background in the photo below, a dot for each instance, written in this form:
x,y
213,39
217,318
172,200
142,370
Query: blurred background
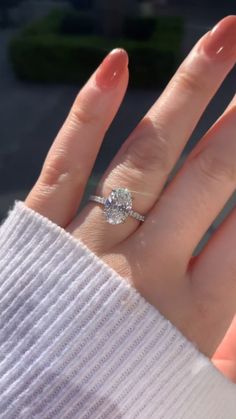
x,y
48,49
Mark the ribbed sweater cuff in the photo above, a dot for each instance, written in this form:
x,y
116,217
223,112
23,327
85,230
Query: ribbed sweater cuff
x,y
77,341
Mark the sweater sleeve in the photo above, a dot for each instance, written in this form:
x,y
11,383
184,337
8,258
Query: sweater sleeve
x,y
78,341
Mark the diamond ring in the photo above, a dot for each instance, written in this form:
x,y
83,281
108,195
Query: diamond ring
x,y
117,206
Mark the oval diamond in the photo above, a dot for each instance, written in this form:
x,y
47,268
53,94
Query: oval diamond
x,y
118,205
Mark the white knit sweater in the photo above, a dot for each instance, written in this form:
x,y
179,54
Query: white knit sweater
x,y
77,341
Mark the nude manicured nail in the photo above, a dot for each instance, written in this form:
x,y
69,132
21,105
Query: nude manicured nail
x,y
110,71
220,42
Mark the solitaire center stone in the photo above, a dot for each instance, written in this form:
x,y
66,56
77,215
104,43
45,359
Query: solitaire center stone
x,y
118,206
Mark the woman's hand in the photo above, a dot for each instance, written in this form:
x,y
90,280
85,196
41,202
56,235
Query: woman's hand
x,y
197,294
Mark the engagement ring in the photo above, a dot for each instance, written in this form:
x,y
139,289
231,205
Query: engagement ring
x,y
117,206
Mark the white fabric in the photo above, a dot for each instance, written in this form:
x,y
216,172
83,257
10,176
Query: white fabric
x,y
77,341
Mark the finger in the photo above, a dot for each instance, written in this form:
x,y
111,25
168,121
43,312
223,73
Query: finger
x,y
195,197
213,278
231,104
59,189
225,356
198,146
227,348
147,157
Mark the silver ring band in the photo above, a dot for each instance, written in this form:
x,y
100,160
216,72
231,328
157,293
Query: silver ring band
x,y
118,206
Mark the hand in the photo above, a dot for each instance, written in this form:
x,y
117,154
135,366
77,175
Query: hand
x,y
197,294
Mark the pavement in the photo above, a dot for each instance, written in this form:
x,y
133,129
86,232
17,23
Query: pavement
x,y
32,113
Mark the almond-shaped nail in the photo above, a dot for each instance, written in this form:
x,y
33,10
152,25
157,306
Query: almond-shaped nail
x,y
220,42
112,68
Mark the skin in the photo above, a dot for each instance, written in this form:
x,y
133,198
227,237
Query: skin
x,y
197,294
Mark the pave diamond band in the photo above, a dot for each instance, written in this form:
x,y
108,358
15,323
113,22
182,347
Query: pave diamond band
x,y
117,206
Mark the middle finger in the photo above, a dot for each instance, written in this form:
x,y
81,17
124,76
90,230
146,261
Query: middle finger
x,y
149,154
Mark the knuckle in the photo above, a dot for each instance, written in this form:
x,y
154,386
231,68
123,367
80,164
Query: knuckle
x,y
149,152
189,81
212,165
56,171
120,175
81,116
52,171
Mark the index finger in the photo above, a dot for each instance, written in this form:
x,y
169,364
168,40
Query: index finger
x,y
61,184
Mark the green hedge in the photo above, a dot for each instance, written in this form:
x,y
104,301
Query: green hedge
x,y
42,52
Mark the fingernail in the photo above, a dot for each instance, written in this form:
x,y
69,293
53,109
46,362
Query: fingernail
x,y
110,71
220,42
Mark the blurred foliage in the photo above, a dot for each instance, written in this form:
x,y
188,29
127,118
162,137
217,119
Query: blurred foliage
x,y
82,23
140,28
65,47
